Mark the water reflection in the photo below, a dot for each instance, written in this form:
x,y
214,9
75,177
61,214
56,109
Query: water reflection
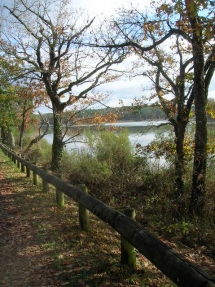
x,y
139,133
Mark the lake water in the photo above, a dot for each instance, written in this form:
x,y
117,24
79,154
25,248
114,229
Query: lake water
x,y
139,132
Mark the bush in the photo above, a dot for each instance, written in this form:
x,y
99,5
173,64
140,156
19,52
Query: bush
x,y
41,153
113,149
108,166
84,169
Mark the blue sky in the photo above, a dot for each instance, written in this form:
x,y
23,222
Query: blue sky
x,y
124,90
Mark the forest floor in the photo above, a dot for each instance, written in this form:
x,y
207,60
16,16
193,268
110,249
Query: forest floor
x,y
41,245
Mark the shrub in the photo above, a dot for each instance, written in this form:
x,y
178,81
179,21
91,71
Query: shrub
x,y
107,166
41,153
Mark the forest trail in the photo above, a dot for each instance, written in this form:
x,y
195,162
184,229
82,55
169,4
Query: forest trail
x,y
41,245
21,259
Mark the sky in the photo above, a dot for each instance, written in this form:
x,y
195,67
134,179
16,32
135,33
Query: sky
x,y
107,7
122,90
125,90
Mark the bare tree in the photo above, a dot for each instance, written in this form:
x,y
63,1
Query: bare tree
x,y
153,36
203,72
46,37
170,72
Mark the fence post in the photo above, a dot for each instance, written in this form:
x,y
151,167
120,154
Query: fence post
x,y
83,212
14,159
128,254
35,178
45,186
22,167
59,196
18,163
28,173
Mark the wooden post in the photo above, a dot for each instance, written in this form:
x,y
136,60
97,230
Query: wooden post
x,y
18,164
35,178
28,173
59,196
128,254
45,186
22,167
83,212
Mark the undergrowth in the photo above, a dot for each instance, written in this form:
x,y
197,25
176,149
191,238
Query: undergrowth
x,y
63,255
116,175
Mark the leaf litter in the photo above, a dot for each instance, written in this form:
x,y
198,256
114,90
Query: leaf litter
x,y
42,245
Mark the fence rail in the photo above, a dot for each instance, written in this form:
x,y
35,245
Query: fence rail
x,y
174,266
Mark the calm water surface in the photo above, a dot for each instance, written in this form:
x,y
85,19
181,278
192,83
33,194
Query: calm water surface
x,y
139,132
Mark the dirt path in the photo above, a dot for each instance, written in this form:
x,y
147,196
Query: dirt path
x,y
21,260
42,245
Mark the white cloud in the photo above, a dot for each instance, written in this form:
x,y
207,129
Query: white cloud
x,y
121,90
124,90
109,7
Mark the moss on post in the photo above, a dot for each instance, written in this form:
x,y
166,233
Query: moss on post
x,y
45,186
22,167
14,159
128,254
35,177
83,212
28,173
59,194
59,198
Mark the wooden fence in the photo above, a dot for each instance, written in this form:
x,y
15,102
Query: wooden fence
x,y
174,266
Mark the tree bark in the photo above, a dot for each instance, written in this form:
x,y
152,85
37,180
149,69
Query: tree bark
x,y
22,130
179,169
57,146
200,153
3,134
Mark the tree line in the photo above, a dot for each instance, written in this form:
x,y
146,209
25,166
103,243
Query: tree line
x,y
123,114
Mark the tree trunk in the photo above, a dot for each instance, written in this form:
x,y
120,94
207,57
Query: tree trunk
x,y
11,140
22,129
179,170
57,146
200,153
3,134
21,137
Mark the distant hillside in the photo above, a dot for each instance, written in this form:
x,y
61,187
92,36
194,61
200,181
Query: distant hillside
x,y
146,113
